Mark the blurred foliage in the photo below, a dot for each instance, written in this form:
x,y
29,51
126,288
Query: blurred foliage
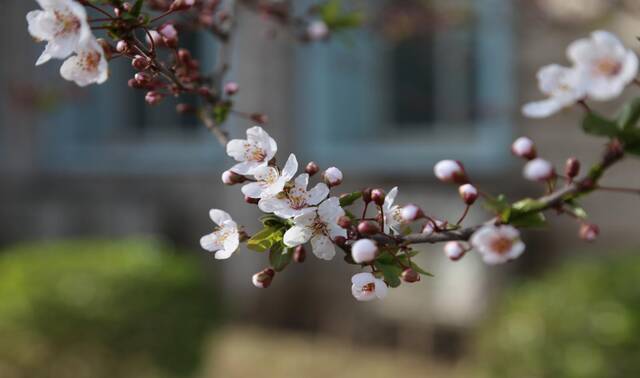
x,y
581,320
101,309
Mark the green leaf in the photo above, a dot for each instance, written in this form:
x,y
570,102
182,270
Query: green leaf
x,y
497,204
266,238
221,112
633,149
350,198
330,10
576,209
280,257
137,7
527,205
629,115
385,258
415,267
595,124
529,220
273,221
391,273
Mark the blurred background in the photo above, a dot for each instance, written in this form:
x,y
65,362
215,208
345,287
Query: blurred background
x,y
104,200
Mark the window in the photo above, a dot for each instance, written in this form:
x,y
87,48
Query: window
x,y
110,129
427,80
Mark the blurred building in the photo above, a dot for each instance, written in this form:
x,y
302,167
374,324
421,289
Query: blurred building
x,y
426,80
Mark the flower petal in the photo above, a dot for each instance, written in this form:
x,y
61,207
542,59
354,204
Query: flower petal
x,y
323,247
297,235
290,168
317,194
219,216
252,190
210,242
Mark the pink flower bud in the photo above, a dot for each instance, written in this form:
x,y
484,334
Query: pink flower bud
x,y
378,196
524,147
140,63
450,171
364,251
332,176
368,227
154,38
299,254
122,47
231,88
340,240
344,222
183,108
251,201
262,280
454,250
411,212
153,97
572,167
366,195
317,30
180,5
312,168
142,78
589,232
232,178
429,229
538,170
409,275
468,193
169,35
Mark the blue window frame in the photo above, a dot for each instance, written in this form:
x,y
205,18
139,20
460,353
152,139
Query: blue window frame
x,y
358,105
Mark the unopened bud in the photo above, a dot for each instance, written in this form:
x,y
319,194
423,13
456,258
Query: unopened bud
x,y
143,78
366,195
429,228
133,83
344,222
299,254
312,168
589,232
450,171
340,241
409,275
169,35
332,176
180,5
364,251
411,213
231,88
139,62
524,147
368,227
468,193
378,196
317,30
454,250
252,201
153,97
231,178
183,108
259,118
572,167
538,170
263,279
122,47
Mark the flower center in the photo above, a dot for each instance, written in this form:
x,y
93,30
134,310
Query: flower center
x,y
254,152
608,67
318,226
297,198
89,61
501,245
70,23
369,288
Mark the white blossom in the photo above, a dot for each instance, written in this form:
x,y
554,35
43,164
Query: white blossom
x,y
606,63
454,250
253,152
333,176
88,66
538,170
364,251
62,24
468,193
295,198
317,30
524,147
498,244
366,287
563,87
392,213
225,239
429,229
318,225
269,181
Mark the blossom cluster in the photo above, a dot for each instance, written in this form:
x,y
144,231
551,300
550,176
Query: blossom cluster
x,y
297,215
64,26
602,68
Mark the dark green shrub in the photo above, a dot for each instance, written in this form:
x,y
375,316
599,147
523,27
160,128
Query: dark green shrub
x,y
581,320
101,309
